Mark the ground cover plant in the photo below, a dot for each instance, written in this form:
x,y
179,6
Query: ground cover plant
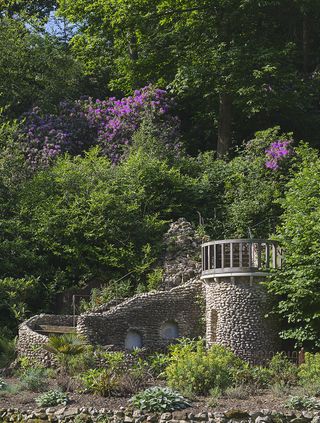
x,y
158,399
52,398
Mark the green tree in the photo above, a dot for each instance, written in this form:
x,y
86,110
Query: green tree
x,y
296,287
35,8
234,64
35,69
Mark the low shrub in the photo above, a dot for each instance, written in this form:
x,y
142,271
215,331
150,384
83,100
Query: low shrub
x,y
309,373
282,371
256,376
100,381
193,369
303,403
52,398
158,363
279,372
34,379
136,377
240,392
158,399
118,373
75,364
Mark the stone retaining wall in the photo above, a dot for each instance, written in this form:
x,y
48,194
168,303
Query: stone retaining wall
x,y
91,415
146,315
30,342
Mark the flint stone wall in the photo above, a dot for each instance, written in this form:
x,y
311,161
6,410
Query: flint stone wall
x,y
30,342
235,317
182,258
146,314
91,415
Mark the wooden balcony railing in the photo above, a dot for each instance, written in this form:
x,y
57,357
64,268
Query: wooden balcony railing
x,y
238,257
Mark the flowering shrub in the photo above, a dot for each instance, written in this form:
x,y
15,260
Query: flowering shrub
x,y
109,123
44,137
277,152
117,120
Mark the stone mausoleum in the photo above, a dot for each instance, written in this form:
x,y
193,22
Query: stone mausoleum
x,y
218,294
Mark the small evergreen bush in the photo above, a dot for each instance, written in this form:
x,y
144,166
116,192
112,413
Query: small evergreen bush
x,y
158,399
193,369
52,398
282,371
34,379
99,381
309,373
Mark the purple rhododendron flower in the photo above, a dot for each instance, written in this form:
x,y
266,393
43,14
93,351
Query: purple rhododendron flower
x,y
277,152
109,123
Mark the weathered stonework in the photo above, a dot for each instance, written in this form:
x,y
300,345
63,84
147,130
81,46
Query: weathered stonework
x,y
30,341
235,316
182,261
91,415
146,314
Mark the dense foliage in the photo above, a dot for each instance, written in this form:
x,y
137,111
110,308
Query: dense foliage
x,y
194,369
297,285
100,102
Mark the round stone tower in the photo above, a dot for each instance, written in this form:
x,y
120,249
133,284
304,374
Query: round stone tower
x,y
236,299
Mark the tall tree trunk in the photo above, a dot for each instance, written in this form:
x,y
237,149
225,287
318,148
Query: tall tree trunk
x,y
225,124
305,41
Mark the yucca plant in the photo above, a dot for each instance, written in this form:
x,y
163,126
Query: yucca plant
x,y
67,344
65,347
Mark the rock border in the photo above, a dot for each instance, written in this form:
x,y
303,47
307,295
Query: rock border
x,y
91,415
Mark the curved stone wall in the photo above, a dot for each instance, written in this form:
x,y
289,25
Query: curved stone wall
x,y
30,342
146,314
235,317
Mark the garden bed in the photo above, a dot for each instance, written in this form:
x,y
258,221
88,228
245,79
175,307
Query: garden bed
x,y
264,399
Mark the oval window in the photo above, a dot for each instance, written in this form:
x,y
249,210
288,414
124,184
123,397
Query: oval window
x,y
133,340
169,331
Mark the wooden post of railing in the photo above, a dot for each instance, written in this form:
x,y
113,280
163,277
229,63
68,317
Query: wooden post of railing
x,y
222,256
274,256
301,357
259,255
267,255
250,245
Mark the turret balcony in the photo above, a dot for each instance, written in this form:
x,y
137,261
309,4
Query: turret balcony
x,y
239,257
